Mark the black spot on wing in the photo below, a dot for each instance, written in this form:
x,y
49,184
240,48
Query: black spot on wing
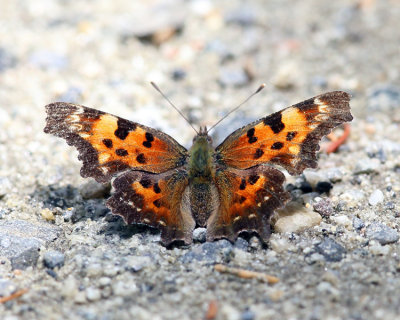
x,y
121,152
124,127
258,154
290,135
146,183
149,137
147,144
157,203
242,184
250,135
108,143
253,179
277,146
156,188
140,158
274,121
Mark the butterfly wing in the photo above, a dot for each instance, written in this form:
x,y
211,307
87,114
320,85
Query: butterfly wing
x,y
155,200
248,199
108,144
289,137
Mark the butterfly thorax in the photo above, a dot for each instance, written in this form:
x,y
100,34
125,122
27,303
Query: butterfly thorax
x,y
201,167
203,193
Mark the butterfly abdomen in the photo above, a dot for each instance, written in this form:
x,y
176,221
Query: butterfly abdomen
x,y
203,202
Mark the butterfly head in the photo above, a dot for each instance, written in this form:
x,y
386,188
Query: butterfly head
x,y
203,136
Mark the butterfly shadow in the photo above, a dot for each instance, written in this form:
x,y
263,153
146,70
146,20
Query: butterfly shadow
x,y
68,202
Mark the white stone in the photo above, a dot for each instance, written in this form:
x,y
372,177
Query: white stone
x,y
93,294
375,197
377,249
342,220
295,218
281,245
229,312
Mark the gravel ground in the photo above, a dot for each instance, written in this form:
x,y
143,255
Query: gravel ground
x,y
335,249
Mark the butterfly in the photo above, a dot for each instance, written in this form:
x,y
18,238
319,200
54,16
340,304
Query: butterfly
x,y
230,189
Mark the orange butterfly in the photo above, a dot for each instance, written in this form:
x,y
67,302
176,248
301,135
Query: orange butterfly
x,y
229,189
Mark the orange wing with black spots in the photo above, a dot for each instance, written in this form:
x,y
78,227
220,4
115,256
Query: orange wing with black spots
x,y
289,137
108,144
248,200
156,200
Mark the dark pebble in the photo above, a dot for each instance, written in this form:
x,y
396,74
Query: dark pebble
x,y
358,224
331,250
390,205
51,273
323,187
306,187
178,74
53,259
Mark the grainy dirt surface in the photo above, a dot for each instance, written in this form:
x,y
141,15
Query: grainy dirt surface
x,y
336,254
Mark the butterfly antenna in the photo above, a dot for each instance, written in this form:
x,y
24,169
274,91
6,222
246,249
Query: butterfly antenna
x,y
237,107
173,106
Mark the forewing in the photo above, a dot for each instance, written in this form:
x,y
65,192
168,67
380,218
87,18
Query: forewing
x,y
289,137
154,200
108,144
248,199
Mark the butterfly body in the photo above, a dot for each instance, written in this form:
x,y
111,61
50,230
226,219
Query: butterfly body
x,y
228,189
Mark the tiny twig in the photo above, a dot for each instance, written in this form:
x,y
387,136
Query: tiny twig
x,y
246,274
212,310
14,295
338,141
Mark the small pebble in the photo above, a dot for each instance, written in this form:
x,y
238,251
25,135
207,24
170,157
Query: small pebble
x,y
199,234
342,220
331,250
376,197
324,207
377,249
233,78
367,166
382,233
358,224
93,294
294,218
47,214
53,259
